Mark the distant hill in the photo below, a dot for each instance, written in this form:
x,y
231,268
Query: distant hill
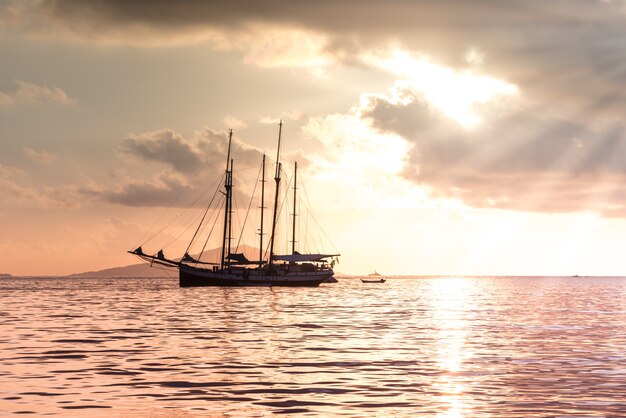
x,y
144,269
5,275
133,270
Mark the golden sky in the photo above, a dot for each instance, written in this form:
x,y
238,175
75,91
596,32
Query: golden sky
x,y
447,137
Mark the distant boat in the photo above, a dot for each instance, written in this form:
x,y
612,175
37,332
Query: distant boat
x,y
381,280
374,274
234,269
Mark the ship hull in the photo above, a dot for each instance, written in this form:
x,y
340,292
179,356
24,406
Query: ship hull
x,y
195,277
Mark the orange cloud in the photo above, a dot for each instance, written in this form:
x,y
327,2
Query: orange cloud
x,y
29,93
42,157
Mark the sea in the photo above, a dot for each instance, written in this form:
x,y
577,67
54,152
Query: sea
x,y
412,346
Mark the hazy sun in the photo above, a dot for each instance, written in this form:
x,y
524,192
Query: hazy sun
x,y
454,93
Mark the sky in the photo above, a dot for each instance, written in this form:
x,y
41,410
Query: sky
x,y
449,137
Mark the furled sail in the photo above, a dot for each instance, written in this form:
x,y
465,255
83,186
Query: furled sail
x,y
240,258
296,257
189,259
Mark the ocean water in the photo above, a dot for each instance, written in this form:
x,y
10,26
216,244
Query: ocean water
x,y
445,347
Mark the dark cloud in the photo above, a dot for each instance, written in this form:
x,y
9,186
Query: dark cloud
x,y
191,165
204,152
514,161
214,146
569,52
329,15
164,191
164,146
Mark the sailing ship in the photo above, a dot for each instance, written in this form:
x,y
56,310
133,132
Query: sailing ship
x,y
234,269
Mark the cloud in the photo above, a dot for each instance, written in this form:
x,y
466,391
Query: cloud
x,y
8,171
295,115
281,47
357,166
366,15
163,191
190,169
515,160
42,157
564,63
233,123
164,146
116,23
204,151
29,93
14,188
454,93
571,54
189,165
114,233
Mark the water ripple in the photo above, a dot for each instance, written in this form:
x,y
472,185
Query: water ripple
x,y
448,347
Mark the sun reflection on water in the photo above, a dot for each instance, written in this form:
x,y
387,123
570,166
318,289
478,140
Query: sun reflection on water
x,y
450,302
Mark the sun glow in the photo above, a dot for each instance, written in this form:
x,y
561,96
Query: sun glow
x,y
369,161
454,93
451,299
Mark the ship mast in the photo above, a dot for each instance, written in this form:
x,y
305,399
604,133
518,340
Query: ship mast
x,y
262,208
293,234
277,180
228,184
230,214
